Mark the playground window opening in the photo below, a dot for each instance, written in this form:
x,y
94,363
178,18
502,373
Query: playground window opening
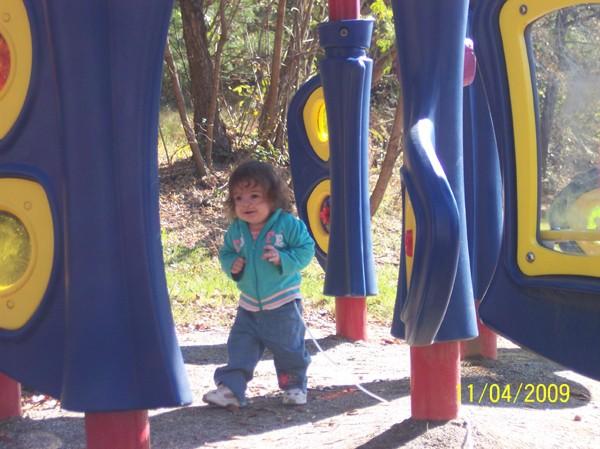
x,y
563,45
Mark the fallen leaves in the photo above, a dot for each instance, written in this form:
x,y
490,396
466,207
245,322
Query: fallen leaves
x,y
39,401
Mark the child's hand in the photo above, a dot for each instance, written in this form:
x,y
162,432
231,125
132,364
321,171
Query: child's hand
x,y
271,254
238,265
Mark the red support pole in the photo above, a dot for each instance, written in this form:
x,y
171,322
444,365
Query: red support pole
x,y
435,381
351,317
118,430
344,9
485,345
10,397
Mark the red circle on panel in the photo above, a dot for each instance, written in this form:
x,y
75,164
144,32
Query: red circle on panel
x,y
4,62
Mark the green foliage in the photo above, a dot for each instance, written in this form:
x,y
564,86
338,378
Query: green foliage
x,y
384,30
565,43
380,307
172,143
246,66
180,60
268,153
194,280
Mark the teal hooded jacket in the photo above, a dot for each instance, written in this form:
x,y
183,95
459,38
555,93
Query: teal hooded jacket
x,y
263,285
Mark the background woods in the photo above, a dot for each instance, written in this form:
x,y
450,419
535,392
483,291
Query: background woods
x,y
232,67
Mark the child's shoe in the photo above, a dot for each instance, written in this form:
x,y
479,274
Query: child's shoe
x,y
222,396
294,396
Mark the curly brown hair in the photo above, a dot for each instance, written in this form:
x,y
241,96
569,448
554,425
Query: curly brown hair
x,y
250,173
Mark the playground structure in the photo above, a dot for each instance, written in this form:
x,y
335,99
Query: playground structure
x,y
84,310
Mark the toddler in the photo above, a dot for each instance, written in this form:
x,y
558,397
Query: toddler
x,y
264,249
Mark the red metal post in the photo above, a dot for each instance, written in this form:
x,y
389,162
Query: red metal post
x,y
344,9
435,381
118,430
485,345
10,397
351,317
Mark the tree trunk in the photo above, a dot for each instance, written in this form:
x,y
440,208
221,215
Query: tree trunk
x,y
548,105
297,64
381,63
269,114
201,70
393,150
212,107
189,133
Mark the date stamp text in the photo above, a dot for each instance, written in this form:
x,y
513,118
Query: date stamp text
x,y
526,393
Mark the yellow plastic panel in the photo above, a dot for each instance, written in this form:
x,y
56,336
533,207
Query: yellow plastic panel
x,y
315,124
313,209
26,250
533,258
16,54
410,224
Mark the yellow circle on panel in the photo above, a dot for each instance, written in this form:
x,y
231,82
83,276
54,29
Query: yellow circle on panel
x,y
27,245
313,209
15,250
16,54
315,124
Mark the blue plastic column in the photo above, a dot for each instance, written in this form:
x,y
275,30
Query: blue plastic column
x,y
346,77
430,38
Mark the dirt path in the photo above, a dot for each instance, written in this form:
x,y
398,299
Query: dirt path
x,y
340,416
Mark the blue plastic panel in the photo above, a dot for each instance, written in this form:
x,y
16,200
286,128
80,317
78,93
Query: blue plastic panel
x,y
422,304
483,188
103,338
555,316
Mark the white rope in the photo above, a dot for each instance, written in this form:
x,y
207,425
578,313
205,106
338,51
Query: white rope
x,y
312,337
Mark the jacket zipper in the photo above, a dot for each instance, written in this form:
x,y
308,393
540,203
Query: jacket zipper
x,y
254,242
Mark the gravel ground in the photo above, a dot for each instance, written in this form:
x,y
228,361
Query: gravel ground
x,y
338,414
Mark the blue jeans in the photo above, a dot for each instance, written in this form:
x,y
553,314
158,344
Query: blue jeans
x,y
282,332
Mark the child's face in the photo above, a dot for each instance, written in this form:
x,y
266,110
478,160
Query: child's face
x,y
251,203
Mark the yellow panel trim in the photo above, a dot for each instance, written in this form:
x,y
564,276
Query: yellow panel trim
x,y
313,211
14,27
565,236
315,124
410,224
533,259
27,201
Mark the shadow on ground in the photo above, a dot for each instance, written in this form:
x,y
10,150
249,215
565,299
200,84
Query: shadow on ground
x,y
217,354
400,434
206,424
